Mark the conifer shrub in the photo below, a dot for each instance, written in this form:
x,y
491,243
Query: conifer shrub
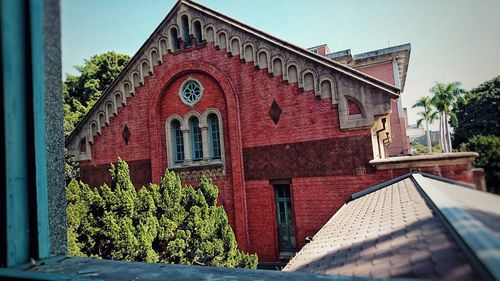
x,y
165,223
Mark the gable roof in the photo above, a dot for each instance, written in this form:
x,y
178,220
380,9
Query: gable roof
x,y
207,12
382,85
417,225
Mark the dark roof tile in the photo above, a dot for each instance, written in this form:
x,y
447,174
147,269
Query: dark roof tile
x,y
391,232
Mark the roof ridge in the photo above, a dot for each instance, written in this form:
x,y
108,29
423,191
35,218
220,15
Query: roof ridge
x,y
379,186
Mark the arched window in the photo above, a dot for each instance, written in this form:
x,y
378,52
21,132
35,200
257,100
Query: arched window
x,y
174,41
197,32
163,46
277,67
136,80
222,40
249,53
235,47
196,139
185,31
263,60
214,130
210,34
308,81
177,142
83,146
292,74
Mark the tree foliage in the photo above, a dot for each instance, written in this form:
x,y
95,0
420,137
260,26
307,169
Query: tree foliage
x,y
422,149
444,96
82,91
488,148
71,167
478,129
478,112
166,222
427,116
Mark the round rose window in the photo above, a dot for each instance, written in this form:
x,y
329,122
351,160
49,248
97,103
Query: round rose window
x,y
191,92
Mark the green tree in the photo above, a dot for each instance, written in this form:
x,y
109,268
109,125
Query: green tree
x,y
444,95
478,129
488,148
166,222
71,168
427,115
81,91
478,112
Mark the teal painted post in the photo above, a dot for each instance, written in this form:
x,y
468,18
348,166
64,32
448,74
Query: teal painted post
x,y
15,125
26,211
37,66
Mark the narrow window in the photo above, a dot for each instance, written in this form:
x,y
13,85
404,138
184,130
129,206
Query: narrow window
x,y
177,142
163,46
83,146
196,141
155,59
210,34
185,31
277,69
174,41
284,212
292,74
308,81
213,125
262,60
222,41
197,32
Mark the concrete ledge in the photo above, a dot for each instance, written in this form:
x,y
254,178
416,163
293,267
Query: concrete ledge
x,y
73,268
426,160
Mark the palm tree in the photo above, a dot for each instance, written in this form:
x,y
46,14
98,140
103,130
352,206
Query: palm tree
x,y
428,115
444,96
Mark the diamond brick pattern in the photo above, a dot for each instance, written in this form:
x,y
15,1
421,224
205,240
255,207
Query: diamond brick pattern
x,y
126,134
391,232
275,112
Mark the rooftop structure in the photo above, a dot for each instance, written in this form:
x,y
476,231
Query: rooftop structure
x,y
418,226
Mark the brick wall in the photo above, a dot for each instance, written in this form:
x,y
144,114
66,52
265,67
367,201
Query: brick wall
x,y
243,95
97,174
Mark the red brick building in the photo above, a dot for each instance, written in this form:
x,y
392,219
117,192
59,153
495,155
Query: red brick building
x,y
287,134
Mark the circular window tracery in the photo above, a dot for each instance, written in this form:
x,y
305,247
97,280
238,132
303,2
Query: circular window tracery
x,y
191,92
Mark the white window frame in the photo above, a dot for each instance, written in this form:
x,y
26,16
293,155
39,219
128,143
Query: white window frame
x,y
188,153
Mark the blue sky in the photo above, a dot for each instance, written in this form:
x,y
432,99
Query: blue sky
x,y
453,40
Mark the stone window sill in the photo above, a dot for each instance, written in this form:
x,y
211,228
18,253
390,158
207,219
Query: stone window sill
x,y
197,164
193,172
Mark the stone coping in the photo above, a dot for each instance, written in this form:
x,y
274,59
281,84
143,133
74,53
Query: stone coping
x,y
425,160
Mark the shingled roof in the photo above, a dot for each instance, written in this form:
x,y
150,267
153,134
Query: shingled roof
x,y
418,226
